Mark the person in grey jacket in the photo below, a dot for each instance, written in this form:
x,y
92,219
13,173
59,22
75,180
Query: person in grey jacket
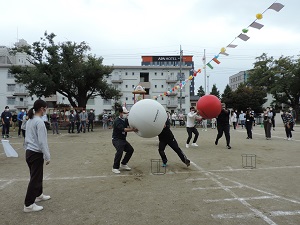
x,y
91,119
83,119
37,151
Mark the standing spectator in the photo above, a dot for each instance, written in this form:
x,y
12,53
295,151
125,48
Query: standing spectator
x,y
273,117
174,118
293,113
23,127
46,122
165,138
83,119
190,127
110,121
104,121
249,122
78,124
181,119
213,123
233,119
6,118
14,120
20,119
268,123
71,121
204,124
223,126
37,150
121,127
288,122
242,118
54,120
91,118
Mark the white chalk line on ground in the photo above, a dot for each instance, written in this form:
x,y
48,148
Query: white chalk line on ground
x,y
256,212
251,215
260,134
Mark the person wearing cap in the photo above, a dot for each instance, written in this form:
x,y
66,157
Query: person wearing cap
x,y
120,129
223,126
6,118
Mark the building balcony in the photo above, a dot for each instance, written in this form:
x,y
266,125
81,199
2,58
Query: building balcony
x,y
172,94
172,105
145,85
116,79
52,98
21,92
171,80
21,104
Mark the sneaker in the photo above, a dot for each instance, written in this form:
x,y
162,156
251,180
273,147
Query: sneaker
x,y
164,165
33,208
187,145
289,139
42,197
228,146
285,138
187,162
125,167
195,145
117,171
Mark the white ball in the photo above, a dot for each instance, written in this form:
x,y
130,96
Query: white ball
x,y
148,116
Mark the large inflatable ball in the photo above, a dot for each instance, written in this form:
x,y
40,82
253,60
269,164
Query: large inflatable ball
x,y
209,106
148,116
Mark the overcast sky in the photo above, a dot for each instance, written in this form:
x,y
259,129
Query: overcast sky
x,y
121,31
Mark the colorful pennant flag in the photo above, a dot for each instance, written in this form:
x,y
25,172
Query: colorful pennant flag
x,y
216,61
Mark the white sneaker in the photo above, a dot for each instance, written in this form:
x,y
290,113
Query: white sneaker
x,y
187,145
42,197
117,171
289,139
195,145
125,167
33,208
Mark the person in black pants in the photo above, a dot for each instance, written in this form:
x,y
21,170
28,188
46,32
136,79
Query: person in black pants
x,y
72,121
248,123
223,126
166,137
120,129
6,119
91,119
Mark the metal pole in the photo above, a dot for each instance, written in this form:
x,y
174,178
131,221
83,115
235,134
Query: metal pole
x,y
204,62
180,80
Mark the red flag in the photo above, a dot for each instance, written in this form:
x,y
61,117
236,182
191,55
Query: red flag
x,y
216,61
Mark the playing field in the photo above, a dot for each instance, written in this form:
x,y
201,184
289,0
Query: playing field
x,y
215,189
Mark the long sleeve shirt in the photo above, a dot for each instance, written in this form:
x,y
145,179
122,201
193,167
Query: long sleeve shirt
x,y
36,137
190,120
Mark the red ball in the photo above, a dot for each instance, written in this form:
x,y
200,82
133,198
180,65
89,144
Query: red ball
x,y
209,106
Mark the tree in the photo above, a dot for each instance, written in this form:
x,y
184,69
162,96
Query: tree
x,y
280,77
215,91
246,97
64,68
227,96
201,91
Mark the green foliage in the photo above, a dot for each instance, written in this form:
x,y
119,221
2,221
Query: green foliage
x,y
215,91
280,77
227,96
201,91
64,68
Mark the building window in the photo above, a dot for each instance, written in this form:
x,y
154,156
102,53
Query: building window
x,y
132,73
106,101
126,86
133,86
11,100
91,101
155,86
162,73
162,86
126,98
11,87
126,73
10,75
155,73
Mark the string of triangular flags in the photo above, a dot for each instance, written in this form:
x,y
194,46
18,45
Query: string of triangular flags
x,y
243,36
275,6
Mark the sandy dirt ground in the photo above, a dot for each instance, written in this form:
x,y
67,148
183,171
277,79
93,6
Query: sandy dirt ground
x,y
215,189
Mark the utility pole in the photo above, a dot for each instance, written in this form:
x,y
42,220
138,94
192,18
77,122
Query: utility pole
x,y
204,63
180,80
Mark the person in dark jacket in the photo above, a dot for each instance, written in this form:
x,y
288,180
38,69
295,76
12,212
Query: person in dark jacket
x,y
120,129
165,138
71,121
91,119
223,126
248,123
6,119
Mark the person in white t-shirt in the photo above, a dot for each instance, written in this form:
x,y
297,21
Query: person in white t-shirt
x,y
190,127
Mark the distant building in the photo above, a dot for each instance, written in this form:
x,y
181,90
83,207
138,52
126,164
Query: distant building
x,y
156,74
237,79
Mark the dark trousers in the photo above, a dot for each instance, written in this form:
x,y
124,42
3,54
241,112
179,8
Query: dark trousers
x,y
5,128
191,130
23,133
234,125
249,130
19,130
267,127
35,162
78,126
226,130
174,145
288,131
91,123
122,146
71,127
173,123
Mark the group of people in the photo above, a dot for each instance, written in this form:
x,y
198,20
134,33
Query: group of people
x,y
82,120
